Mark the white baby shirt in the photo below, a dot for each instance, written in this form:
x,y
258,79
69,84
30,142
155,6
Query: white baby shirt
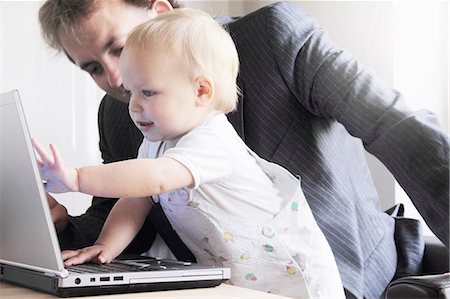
x,y
247,214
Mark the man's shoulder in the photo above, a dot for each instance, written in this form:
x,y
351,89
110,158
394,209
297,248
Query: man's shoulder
x,y
275,10
277,18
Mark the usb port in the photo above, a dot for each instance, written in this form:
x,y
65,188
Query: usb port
x,y
104,278
117,278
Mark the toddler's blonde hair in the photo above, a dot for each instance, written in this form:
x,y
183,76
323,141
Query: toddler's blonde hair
x,y
205,48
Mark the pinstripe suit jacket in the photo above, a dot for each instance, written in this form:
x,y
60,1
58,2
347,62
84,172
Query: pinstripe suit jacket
x,y
313,109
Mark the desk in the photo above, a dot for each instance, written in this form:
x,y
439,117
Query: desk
x,y
8,291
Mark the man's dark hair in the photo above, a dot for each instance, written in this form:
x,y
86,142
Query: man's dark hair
x,y
63,15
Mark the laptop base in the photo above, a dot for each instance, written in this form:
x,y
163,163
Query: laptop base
x,y
49,284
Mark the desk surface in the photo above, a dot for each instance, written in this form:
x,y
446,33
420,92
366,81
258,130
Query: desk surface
x,y
8,291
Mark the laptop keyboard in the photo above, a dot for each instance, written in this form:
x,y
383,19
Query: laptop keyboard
x,y
120,267
106,268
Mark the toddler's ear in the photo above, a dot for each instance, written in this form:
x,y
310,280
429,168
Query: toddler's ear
x,y
160,6
205,90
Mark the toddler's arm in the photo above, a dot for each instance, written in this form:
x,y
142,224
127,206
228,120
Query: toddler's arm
x,y
124,179
121,226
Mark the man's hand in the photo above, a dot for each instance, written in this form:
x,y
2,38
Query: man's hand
x,y
97,253
56,176
58,212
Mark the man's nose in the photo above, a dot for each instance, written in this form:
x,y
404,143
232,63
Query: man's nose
x,y
113,75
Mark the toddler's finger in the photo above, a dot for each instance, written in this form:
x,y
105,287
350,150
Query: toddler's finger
x,y
56,155
46,159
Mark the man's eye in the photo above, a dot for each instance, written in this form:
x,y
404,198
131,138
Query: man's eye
x,y
95,71
148,93
118,51
127,91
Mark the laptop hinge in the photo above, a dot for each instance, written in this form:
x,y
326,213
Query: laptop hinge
x,y
55,284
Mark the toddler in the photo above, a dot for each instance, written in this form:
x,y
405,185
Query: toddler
x,y
229,206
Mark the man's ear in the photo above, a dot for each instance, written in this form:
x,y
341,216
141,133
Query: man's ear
x,y
161,6
205,90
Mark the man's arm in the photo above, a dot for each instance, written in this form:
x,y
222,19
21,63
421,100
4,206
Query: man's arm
x,y
58,212
335,85
81,231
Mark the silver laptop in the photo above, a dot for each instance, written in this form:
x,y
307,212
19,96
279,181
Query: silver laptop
x,y
29,249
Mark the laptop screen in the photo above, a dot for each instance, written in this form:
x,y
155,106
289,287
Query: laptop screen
x,y
27,235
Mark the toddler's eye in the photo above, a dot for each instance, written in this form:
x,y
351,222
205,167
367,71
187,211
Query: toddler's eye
x,y
148,93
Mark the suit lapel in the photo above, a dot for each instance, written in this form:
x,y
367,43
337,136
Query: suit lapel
x,y
237,117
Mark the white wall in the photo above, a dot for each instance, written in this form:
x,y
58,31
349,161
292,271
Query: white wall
x,y
61,102
421,65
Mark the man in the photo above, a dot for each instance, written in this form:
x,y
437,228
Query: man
x,y
302,102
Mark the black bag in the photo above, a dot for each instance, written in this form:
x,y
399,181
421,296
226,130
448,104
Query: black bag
x,y
409,242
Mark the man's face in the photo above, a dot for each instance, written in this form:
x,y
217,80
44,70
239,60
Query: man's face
x,y
98,41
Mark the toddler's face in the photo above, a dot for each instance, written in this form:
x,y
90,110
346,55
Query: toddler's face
x,y
163,98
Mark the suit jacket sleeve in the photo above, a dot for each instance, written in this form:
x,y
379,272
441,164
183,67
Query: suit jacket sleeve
x,y
331,83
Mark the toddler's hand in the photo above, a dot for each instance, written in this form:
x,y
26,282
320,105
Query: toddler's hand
x,y
97,253
57,177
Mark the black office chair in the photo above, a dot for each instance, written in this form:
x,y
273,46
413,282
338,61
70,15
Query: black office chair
x,y
424,262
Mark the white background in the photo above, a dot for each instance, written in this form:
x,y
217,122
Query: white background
x,y
406,43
